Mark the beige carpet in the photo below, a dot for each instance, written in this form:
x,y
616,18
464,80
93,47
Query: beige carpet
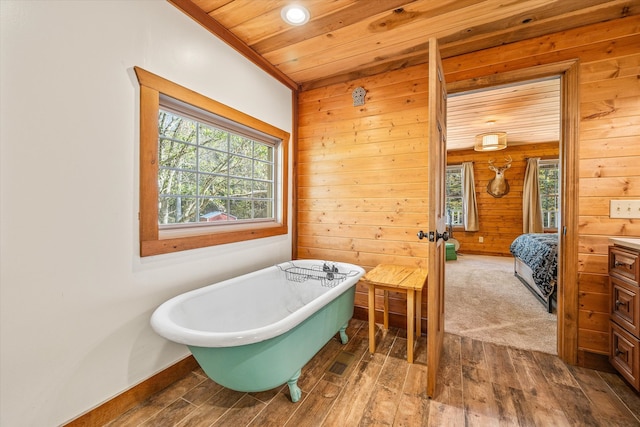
x,y
485,301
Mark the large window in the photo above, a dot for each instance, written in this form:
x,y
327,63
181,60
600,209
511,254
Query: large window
x,y
209,174
454,190
548,182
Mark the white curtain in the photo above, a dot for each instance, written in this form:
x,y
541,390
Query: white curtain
x,y
469,205
531,206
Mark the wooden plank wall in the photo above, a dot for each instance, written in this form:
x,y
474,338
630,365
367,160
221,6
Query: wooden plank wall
x,y
500,219
609,169
349,211
362,174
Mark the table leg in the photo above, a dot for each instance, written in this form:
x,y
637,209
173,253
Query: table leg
x,y
386,310
372,318
418,314
411,304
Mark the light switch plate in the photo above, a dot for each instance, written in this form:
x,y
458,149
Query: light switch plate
x,y
624,209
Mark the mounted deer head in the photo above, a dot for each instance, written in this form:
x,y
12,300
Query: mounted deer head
x,y
499,186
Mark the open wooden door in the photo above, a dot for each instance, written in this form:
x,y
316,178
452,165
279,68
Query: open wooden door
x,y
437,218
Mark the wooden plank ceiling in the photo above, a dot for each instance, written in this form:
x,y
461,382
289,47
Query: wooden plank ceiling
x,y
348,39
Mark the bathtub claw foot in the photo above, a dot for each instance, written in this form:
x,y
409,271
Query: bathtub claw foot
x,y
343,335
294,390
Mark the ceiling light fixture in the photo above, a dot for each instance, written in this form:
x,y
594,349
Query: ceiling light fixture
x,y
295,14
491,141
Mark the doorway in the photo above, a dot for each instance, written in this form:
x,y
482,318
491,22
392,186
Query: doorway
x,y
486,300
567,289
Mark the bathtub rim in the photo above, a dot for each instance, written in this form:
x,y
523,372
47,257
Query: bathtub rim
x,y
163,325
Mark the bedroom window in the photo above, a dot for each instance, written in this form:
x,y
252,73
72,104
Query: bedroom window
x,y
548,183
454,192
209,174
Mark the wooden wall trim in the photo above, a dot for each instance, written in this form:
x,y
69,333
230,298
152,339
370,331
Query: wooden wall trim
x,y
135,395
213,26
568,248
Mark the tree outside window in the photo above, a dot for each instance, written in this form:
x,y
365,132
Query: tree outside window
x,y
454,193
208,174
548,182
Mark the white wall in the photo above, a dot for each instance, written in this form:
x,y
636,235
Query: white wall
x,y
75,296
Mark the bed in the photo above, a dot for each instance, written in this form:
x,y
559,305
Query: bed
x,y
536,264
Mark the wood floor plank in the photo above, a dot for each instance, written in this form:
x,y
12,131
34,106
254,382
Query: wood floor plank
x,y
610,408
383,404
314,409
211,410
532,378
171,414
448,409
385,339
316,367
242,413
358,345
542,402
512,409
500,366
480,408
472,353
544,414
555,369
414,406
351,403
626,394
479,384
202,392
450,373
277,412
575,405
158,402
412,411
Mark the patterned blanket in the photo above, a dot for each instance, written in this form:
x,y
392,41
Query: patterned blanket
x,y
540,252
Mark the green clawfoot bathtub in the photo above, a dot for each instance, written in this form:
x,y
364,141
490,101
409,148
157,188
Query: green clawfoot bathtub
x,y
255,332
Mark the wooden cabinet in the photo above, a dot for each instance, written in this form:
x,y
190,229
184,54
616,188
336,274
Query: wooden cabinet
x,y
624,284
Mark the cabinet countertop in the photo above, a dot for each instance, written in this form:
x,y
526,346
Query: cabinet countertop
x,y
629,243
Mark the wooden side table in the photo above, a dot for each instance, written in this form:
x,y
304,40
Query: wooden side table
x,y
410,280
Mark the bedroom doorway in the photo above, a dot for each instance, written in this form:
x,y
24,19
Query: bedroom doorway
x,y
566,73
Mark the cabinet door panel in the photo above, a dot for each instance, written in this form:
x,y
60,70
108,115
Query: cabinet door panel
x,y
625,309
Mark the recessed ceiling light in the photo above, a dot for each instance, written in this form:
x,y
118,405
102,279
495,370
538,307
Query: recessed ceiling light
x,y
295,14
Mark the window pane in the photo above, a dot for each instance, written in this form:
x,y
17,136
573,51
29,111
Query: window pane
x,y
454,194
241,209
212,161
176,127
262,189
214,210
240,187
177,182
175,154
213,185
175,210
548,182
211,137
241,145
263,209
263,152
208,174
240,166
263,170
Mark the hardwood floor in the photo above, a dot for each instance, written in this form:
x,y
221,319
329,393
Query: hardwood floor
x,y
480,384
